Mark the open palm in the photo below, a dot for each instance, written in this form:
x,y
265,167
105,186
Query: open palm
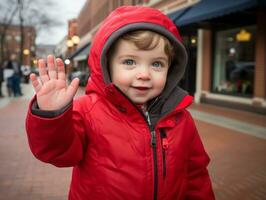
x,y
52,90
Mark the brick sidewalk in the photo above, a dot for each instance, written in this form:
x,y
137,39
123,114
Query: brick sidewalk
x,y
252,118
22,177
237,163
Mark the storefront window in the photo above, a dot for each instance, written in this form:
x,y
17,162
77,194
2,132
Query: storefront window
x,y
234,61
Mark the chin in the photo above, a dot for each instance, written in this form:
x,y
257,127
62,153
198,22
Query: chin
x,y
139,101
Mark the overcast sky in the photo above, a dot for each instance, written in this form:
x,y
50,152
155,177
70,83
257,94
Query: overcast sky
x,y
64,10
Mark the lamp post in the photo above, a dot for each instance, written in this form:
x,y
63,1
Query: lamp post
x,y
75,39
72,43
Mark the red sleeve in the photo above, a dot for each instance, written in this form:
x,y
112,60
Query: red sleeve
x,y
199,183
60,140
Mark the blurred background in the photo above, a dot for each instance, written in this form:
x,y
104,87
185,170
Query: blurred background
x,y
226,74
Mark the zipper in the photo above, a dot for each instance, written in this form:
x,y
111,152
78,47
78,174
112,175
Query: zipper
x,y
153,142
165,145
153,134
153,145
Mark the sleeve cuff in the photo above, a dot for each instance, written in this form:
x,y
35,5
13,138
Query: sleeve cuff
x,y
48,114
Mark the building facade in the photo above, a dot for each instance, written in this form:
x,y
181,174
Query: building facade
x,y
61,48
230,61
12,43
43,50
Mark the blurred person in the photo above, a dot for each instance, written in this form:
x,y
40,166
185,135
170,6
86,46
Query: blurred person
x,y
1,79
13,82
8,76
230,66
25,73
130,137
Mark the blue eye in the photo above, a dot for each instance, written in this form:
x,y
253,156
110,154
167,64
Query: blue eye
x,y
157,64
129,62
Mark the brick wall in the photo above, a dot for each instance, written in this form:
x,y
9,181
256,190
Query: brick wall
x,y
206,59
12,42
260,68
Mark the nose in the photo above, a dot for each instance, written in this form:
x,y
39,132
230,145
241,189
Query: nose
x,y
143,74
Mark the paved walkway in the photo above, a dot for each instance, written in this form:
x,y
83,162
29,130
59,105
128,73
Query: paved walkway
x,y
233,140
234,124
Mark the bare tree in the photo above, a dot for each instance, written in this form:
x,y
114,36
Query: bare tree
x,y
8,12
35,13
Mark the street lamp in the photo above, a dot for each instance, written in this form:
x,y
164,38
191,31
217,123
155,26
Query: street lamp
x,y
67,61
26,52
70,43
75,39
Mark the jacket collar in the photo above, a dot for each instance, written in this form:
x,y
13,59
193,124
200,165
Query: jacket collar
x,y
126,106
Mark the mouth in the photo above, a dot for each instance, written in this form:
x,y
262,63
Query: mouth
x,y
141,88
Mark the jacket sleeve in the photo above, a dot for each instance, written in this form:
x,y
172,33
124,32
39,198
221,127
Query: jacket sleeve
x,y
59,140
199,183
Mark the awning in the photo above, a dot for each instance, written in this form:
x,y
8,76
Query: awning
x,y
208,9
81,53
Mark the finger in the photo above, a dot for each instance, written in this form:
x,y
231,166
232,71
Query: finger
x,y
42,70
73,87
35,83
61,69
51,67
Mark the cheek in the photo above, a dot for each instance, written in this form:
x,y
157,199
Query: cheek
x,y
159,81
116,72
120,78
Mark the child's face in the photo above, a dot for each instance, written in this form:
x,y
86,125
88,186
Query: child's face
x,y
140,74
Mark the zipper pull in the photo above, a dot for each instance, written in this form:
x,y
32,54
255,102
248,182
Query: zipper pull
x,y
153,139
153,134
165,143
148,118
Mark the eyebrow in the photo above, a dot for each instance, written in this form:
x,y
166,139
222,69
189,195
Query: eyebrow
x,y
133,56
161,58
127,55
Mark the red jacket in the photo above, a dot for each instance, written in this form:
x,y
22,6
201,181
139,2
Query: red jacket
x,y
116,151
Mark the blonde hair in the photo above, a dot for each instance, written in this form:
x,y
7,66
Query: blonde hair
x,y
146,40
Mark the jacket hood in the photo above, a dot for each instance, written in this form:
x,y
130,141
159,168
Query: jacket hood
x,y
130,18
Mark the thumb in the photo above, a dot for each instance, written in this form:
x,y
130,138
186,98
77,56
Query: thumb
x,y
73,87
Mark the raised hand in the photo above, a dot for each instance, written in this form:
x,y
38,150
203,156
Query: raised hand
x,y
52,90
